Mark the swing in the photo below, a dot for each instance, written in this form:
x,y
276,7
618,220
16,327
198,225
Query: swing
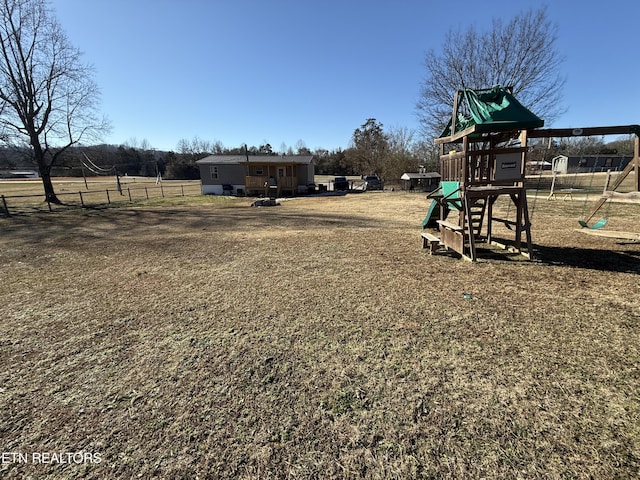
x,y
603,221
599,224
507,222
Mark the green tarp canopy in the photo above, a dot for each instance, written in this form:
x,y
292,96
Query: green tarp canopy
x,y
492,110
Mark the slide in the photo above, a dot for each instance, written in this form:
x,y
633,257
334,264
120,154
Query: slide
x,y
433,214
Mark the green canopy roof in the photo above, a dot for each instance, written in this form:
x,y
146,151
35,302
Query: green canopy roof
x,y
492,110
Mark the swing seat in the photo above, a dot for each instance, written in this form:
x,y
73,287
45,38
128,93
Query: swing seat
x,y
599,224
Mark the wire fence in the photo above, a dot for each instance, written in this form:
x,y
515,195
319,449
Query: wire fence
x,y
25,204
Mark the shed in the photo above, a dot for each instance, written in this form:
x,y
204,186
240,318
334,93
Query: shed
x,y
268,175
425,182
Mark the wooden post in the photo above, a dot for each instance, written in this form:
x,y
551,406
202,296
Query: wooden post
x,y
523,166
606,182
553,185
108,199
466,223
490,201
81,200
84,175
517,201
527,224
454,115
6,208
464,181
146,192
636,160
129,192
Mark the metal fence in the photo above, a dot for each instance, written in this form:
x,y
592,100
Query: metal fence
x,y
23,204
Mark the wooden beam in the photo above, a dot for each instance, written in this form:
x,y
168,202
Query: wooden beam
x,y
453,156
632,165
583,132
497,151
457,135
627,170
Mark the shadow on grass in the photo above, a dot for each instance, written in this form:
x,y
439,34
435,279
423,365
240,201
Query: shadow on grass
x,y
111,223
622,261
593,259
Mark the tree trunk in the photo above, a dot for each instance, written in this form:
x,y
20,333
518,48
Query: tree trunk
x,y
45,173
49,194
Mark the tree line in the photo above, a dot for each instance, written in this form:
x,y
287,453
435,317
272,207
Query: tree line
x,y
373,150
49,102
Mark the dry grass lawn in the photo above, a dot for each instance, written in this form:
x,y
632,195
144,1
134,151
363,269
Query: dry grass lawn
x,y
202,338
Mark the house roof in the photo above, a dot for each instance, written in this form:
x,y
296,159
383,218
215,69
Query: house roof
x,y
256,159
414,176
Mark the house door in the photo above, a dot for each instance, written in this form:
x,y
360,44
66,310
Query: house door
x,y
281,172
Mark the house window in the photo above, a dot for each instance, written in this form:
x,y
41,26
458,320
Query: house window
x,y
214,172
280,172
608,162
258,171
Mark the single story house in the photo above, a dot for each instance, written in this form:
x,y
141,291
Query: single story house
x,y
424,182
589,163
268,175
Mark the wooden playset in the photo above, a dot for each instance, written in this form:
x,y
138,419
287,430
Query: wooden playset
x,y
483,154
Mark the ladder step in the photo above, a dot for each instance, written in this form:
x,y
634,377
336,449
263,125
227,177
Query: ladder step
x,y
450,226
430,241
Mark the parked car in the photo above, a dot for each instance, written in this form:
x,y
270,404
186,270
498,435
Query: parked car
x,y
372,182
340,183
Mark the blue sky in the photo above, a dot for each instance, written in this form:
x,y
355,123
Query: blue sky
x,y
284,71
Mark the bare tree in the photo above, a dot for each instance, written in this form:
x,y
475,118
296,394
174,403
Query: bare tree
x,y
198,147
400,157
520,54
301,148
400,139
48,100
136,144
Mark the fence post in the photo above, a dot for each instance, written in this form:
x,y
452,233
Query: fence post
x,y
6,208
162,190
182,189
146,192
81,200
108,199
129,192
